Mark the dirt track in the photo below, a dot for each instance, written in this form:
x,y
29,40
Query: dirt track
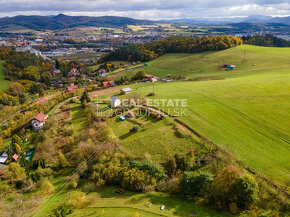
x,y
104,92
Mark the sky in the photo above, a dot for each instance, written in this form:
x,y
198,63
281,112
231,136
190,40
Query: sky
x,y
148,9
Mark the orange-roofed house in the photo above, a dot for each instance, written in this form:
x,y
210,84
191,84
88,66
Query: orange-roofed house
x,y
71,88
148,76
39,121
108,83
73,72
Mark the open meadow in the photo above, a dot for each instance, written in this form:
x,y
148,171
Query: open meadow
x,y
248,59
156,140
106,202
247,115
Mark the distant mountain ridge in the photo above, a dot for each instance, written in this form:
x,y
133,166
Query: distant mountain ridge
x,y
249,19
63,21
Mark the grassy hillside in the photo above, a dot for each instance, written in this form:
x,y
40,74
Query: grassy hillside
x,y
247,113
3,83
249,59
107,203
156,139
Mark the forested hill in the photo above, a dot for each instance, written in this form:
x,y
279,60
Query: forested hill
x,y
176,44
62,21
267,41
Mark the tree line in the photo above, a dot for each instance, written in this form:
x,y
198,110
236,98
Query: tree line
x,y
28,73
24,65
267,40
175,44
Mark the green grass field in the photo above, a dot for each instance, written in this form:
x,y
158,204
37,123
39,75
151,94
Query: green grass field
x,y
120,205
79,118
4,84
247,113
248,59
145,204
155,139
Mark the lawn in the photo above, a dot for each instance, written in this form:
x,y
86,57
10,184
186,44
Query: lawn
x,y
79,118
155,139
112,204
4,84
104,201
248,115
248,59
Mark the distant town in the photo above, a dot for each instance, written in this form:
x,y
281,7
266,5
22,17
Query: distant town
x,y
98,40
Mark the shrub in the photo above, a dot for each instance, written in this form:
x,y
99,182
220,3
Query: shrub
x,y
152,168
171,186
73,181
5,188
185,162
77,199
62,160
61,211
137,180
17,139
151,94
112,174
246,190
73,184
135,129
89,187
17,148
14,172
85,97
28,186
170,166
46,187
192,183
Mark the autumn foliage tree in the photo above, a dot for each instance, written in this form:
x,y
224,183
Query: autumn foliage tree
x,y
14,172
175,44
223,184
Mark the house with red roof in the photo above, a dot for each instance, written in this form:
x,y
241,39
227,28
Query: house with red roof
x,y
108,83
73,72
71,88
148,76
39,121
151,78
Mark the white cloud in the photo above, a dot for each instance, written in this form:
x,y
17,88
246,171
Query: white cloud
x,y
147,9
